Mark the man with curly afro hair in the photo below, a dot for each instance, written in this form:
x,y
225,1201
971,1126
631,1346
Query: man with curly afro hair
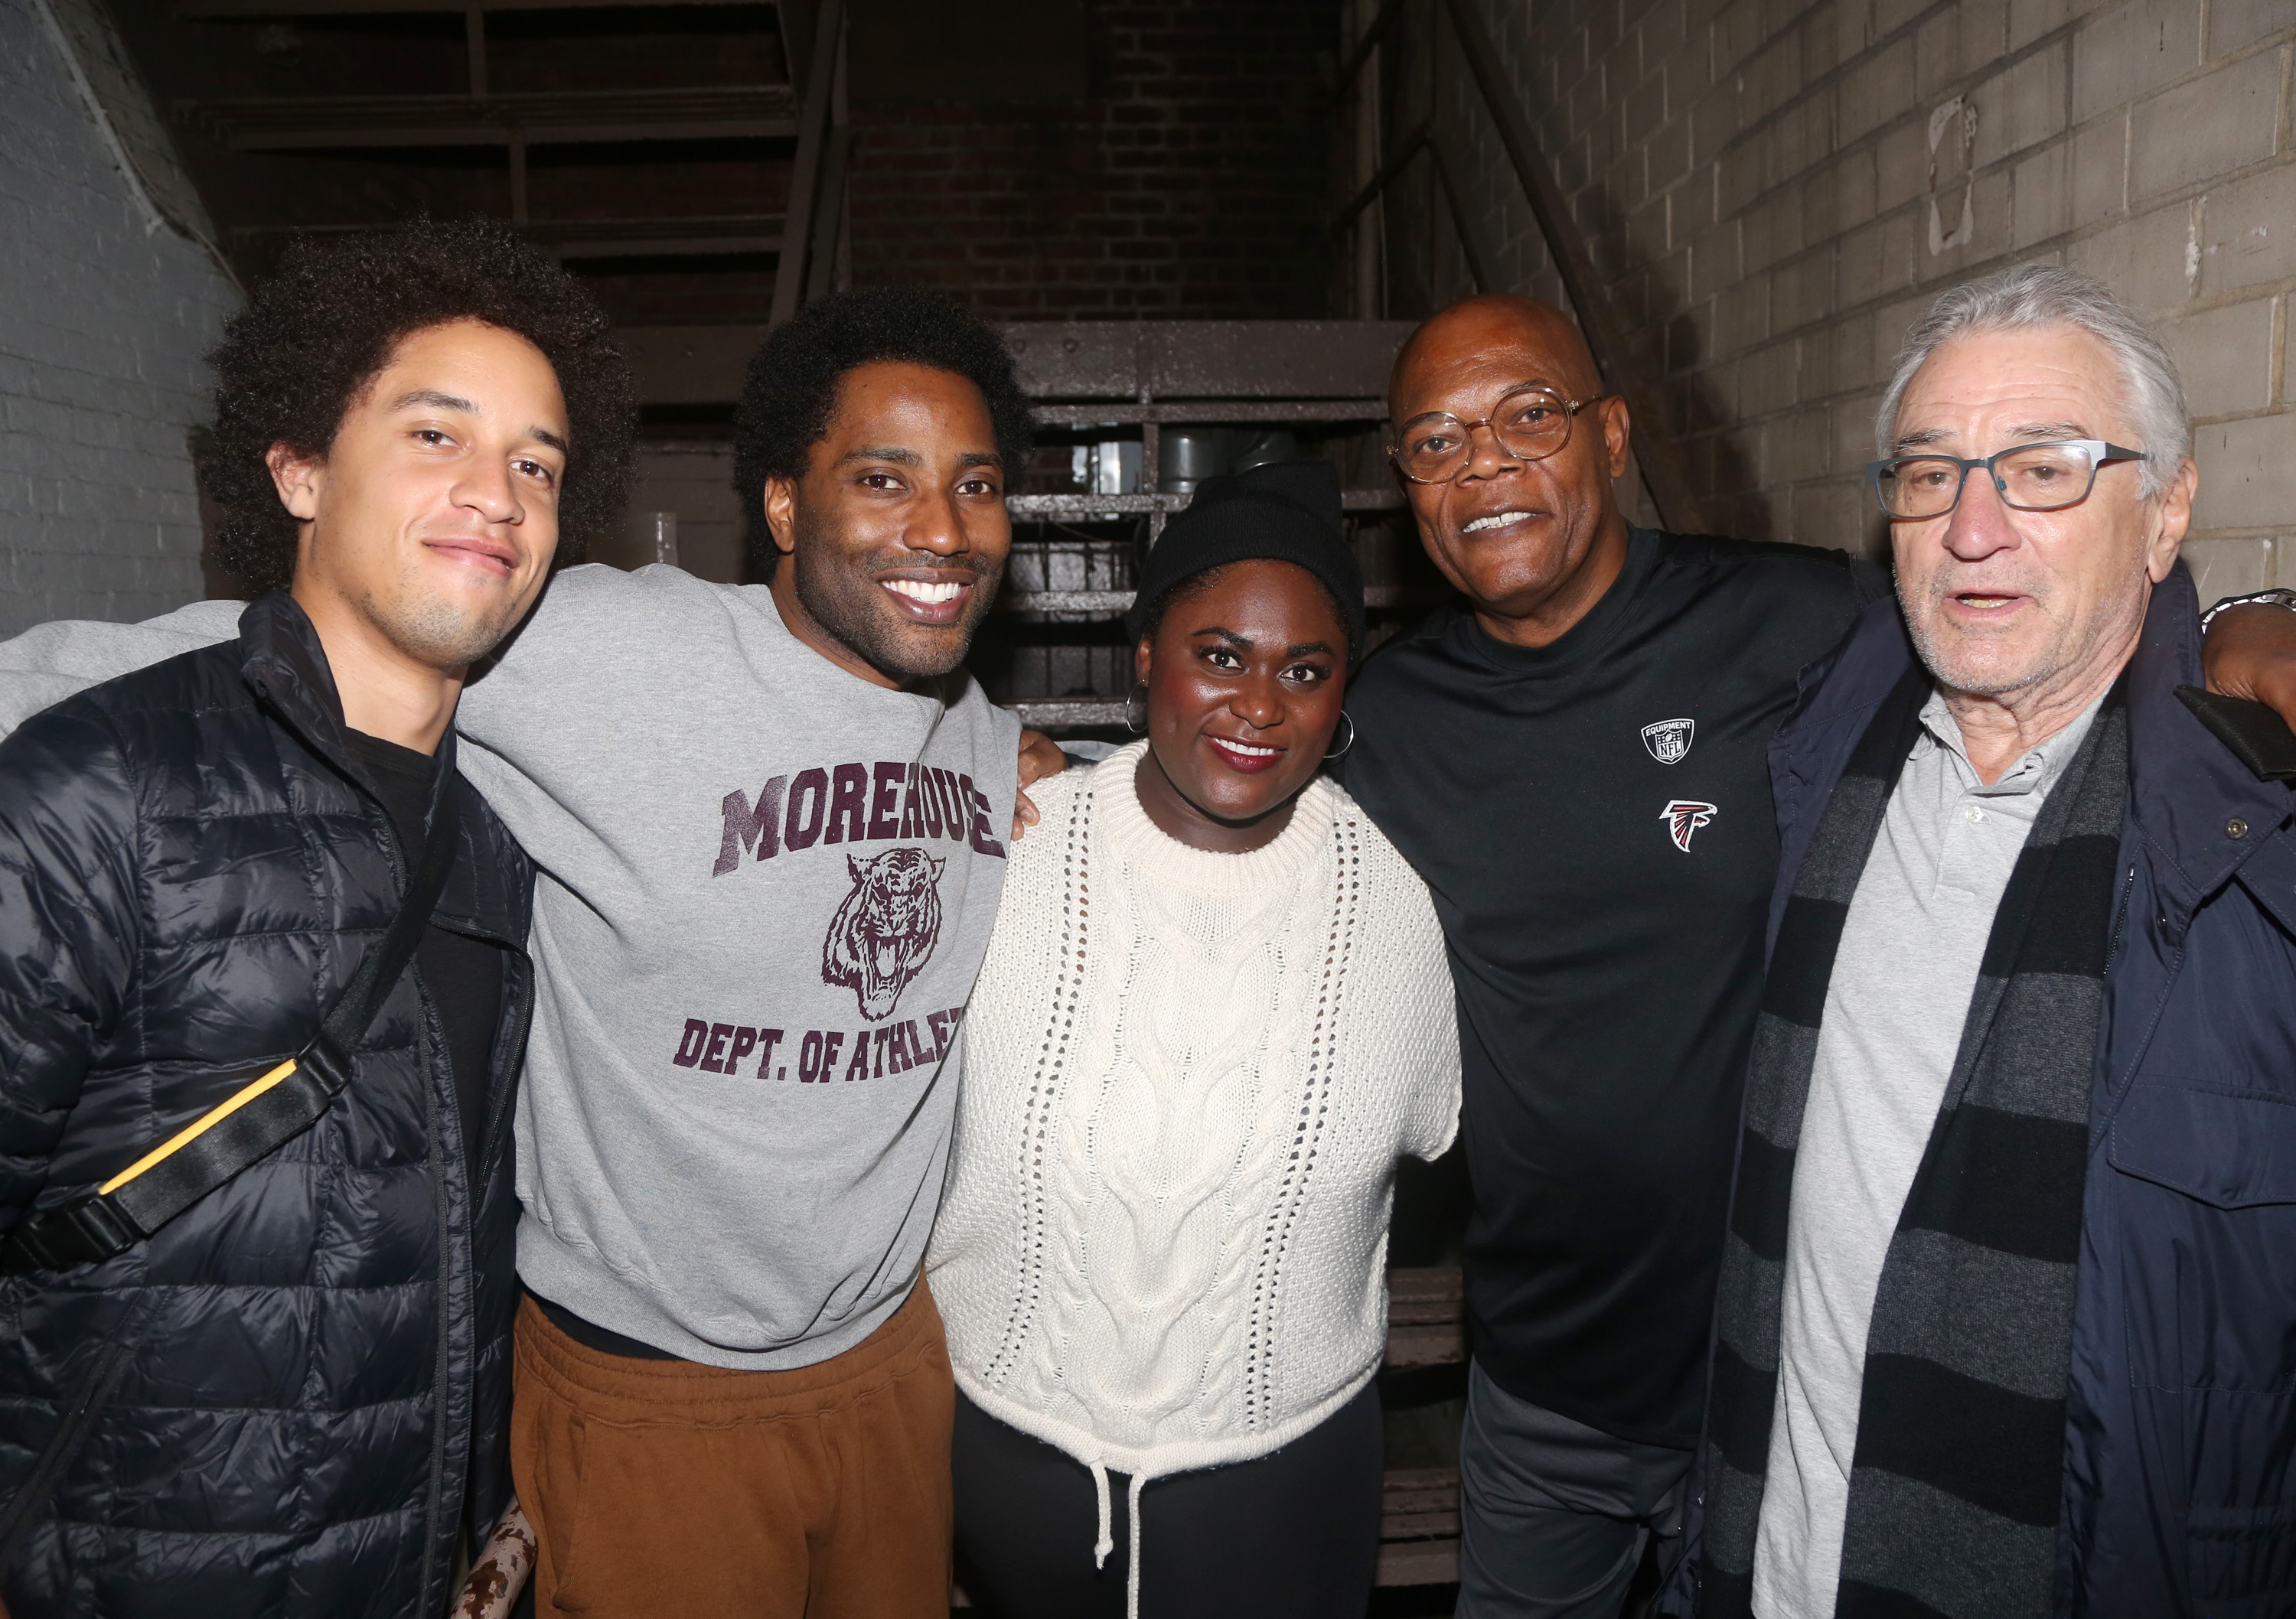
x,y
767,819
269,1374
318,331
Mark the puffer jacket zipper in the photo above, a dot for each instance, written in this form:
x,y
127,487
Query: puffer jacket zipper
x,y
453,1273
23,1510
453,1261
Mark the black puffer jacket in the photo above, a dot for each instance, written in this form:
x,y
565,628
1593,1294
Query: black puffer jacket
x,y
288,1400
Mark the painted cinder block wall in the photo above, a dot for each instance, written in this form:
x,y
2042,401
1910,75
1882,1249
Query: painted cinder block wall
x,y
102,322
1775,189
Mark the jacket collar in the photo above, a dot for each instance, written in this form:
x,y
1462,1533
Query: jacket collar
x,y
2185,787
285,667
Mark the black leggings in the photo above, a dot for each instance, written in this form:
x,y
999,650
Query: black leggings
x,y
1292,1535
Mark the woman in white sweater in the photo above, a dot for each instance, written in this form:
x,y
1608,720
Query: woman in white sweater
x,y
1215,1013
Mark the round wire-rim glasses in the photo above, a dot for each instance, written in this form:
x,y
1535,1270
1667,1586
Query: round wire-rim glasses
x,y
1529,422
2028,477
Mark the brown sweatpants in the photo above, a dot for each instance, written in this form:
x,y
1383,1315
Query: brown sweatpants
x,y
660,1487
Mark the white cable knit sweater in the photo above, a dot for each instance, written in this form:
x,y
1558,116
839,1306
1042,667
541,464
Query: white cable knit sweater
x,y
1188,1078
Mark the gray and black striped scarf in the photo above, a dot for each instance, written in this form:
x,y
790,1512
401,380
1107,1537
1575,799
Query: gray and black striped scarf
x,y
1956,1483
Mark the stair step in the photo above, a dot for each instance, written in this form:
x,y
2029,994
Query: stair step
x,y
1114,603
287,123
1086,508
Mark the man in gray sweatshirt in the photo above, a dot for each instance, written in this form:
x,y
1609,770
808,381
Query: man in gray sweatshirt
x,y
770,824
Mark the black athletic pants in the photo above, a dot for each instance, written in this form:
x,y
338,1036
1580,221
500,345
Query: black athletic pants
x,y
1292,1535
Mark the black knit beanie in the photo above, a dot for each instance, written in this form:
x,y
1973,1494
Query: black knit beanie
x,y
1285,511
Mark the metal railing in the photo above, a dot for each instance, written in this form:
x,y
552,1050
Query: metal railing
x,y
1658,459
817,256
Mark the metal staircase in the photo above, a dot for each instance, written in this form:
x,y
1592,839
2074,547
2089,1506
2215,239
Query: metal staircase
x,y
1130,415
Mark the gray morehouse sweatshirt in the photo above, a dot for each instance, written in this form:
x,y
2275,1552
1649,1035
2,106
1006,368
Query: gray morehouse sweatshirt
x,y
766,885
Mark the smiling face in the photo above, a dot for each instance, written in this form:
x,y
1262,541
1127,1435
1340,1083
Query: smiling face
x,y
431,520
897,532
1532,543
1245,679
2030,607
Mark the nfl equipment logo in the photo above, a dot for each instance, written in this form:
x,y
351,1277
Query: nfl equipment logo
x,y
1670,740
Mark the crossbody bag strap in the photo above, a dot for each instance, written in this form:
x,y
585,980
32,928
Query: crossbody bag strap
x,y
262,1115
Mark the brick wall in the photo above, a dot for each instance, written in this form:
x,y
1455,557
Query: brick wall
x,y
1191,181
101,324
1775,189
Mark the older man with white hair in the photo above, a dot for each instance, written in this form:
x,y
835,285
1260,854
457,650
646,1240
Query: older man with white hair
x,y
2007,1322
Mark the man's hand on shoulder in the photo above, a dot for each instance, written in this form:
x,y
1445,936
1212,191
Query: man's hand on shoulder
x,y
2250,652
1040,757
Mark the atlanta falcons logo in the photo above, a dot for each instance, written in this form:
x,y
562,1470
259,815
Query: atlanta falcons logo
x,y
1684,816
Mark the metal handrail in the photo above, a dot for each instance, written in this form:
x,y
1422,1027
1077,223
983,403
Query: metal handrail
x,y
818,182
1660,460
1388,172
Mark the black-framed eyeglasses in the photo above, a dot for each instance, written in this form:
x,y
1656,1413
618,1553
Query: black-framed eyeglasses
x,y
2029,477
1530,423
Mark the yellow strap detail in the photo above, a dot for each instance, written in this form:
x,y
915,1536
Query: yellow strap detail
x,y
199,1126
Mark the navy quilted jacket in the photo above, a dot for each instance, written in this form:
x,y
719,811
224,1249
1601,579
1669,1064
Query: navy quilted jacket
x,y
289,1399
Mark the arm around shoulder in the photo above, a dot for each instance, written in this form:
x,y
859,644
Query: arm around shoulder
x,y
588,641
51,662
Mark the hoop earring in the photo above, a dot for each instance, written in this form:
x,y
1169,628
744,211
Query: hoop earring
x,y
1350,742
1139,695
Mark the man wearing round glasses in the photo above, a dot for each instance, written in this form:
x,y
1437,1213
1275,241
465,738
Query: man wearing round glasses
x,y
1579,766
2005,1323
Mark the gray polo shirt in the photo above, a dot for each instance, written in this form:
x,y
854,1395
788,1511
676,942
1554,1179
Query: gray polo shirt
x,y
1894,1011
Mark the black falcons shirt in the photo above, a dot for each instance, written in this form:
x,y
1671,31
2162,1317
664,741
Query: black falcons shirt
x,y
1595,819
463,975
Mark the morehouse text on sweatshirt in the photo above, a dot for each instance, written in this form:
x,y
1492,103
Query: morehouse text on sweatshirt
x,y
766,887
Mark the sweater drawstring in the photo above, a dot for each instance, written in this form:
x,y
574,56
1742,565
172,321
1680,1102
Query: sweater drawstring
x,y
1106,1543
1132,1574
